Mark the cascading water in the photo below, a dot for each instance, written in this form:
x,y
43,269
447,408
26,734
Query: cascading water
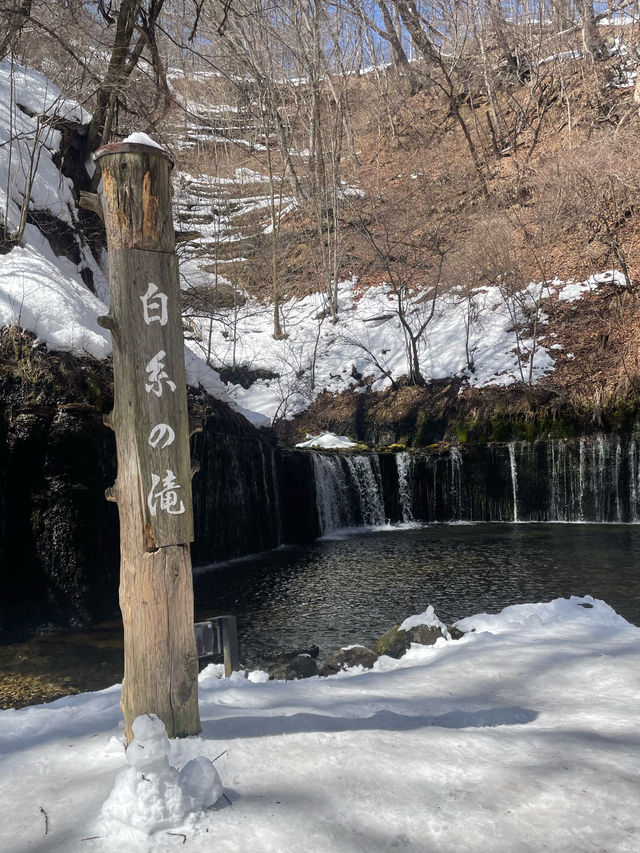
x,y
348,491
592,479
332,502
365,473
514,479
456,484
405,485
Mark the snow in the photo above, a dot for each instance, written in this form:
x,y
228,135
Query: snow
x,y
574,290
364,350
427,618
39,291
318,355
139,138
36,295
519,737
328,441
149,794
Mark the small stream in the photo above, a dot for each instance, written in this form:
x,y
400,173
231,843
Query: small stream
x,y
352,588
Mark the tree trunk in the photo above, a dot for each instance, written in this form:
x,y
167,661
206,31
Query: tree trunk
x,y
153,488
109,89
15,20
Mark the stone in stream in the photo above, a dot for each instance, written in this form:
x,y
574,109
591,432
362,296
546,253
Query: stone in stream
x,y
396,642
300,666
346,658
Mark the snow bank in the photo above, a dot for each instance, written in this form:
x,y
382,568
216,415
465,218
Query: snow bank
x,y
519,737
36,295
39,291
569,614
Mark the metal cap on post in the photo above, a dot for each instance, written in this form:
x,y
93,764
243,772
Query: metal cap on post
x,y
150,420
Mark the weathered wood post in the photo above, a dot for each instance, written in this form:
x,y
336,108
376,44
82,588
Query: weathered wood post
x,y
153,487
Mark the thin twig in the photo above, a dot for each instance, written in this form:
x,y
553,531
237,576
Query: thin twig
x,y
179,835
46,820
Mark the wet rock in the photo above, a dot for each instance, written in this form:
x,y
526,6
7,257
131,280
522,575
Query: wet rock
x,y
301,666
396,642
284,655
345,658
455,633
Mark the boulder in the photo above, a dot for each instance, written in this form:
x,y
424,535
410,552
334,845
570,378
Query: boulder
x,y
284,655
300,666
396,642
345,658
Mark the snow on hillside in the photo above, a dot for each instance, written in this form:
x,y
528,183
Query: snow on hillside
x,y
520,737
318,355
480,336
39,291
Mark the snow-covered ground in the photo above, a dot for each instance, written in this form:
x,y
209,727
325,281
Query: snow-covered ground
x,y
521,737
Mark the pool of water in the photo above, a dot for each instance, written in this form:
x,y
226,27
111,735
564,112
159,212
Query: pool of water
x,y
353,588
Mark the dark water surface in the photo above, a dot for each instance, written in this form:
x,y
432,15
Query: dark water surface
x,y
351,590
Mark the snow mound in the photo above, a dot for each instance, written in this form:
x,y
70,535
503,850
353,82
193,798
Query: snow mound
x,y
428,618
328,441
561,612
150,795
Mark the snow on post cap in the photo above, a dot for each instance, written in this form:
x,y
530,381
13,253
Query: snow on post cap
x,y
142,139
138,141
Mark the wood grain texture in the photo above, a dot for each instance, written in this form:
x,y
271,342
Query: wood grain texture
x,y
153,487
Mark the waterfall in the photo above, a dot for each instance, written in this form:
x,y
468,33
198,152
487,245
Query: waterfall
x,y
634,481
514,478
348,491
365,472
331,492
405,485
456,483
590,479
581,478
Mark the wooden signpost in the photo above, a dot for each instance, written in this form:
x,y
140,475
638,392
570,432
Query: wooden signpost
x,y
153,487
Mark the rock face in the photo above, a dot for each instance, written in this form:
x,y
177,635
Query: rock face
x,y
59,535
346,658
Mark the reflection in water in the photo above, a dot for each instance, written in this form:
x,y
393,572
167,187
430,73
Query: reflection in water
x,y
352,589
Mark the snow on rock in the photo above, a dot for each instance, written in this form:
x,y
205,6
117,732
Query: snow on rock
x,y
328,441
428,618
150,795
